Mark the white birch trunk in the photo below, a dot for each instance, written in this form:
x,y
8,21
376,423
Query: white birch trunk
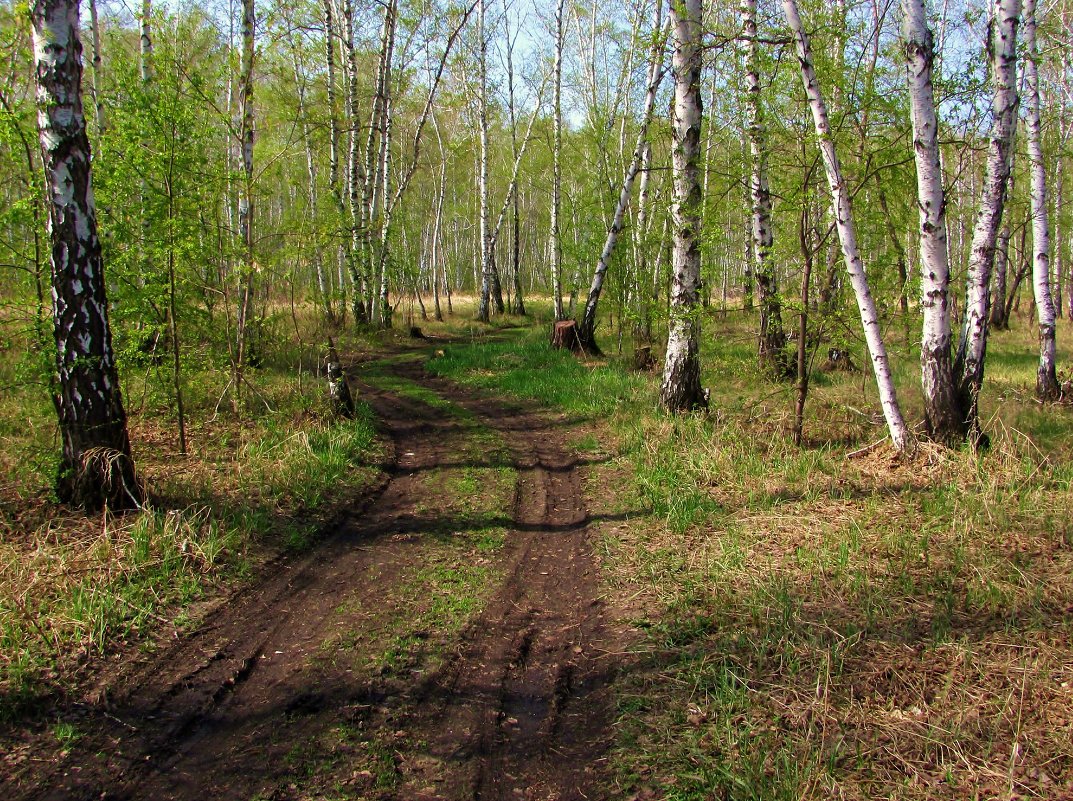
x,y
98,67
972,346
941,413
96,468
482,111
847,234
1046,380
587,329
680,390
772,340
245,206
556,181
333,144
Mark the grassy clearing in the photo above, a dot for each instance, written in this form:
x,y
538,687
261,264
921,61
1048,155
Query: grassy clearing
x,y
813,624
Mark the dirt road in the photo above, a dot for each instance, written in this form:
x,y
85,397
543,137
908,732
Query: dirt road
x,y
325,677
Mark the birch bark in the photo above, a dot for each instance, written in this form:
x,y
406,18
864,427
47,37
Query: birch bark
x,y
246,204
972,346
587,329
556,181
772,340
847,234
486,253
1046,379
680,390
942,415
96,468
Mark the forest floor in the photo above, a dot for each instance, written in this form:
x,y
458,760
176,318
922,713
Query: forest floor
x,y
447,639
535,585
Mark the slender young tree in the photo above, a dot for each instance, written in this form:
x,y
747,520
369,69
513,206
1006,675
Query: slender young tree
x,y
772,344
245,204
942,414
557,169
847,234
98,67
1046,379
680,390
486,252
972,346
587,328
96,468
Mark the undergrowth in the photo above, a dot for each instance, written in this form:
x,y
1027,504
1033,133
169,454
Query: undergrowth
x,y
826,621
73,588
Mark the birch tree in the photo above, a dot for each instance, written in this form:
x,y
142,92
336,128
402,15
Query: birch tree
x,y
1046,380
847,234
245,203
98,66
557,170
972,346
680,390
772,344
482,113
587,328
96,467
942,415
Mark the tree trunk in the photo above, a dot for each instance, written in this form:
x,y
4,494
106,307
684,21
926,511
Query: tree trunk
x,y
98,68
1046,380
941,411
518,306
483,309
1000,321
587,327
847,234
556,181
96,468
246,206
772,340
340,400
972,346
437,229
333,143
681,390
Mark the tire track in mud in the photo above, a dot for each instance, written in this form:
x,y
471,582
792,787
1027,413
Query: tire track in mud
x,y
518,710
524,712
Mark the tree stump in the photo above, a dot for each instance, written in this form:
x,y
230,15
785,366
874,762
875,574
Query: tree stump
x,y
564,336
340,401
643,360
839,360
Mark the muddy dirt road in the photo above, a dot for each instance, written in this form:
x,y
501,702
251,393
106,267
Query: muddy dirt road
x,y
333,676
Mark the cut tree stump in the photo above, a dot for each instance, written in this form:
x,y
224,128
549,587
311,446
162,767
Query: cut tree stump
x,y
565,336
839,361
643,360
340,401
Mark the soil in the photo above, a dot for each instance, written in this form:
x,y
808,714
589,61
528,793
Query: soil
x,y
517,707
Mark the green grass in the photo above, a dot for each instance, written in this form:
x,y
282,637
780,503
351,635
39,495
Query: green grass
x,y
525,367
811,625
72,588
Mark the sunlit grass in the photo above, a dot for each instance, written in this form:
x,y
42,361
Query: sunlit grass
x,y
816,623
